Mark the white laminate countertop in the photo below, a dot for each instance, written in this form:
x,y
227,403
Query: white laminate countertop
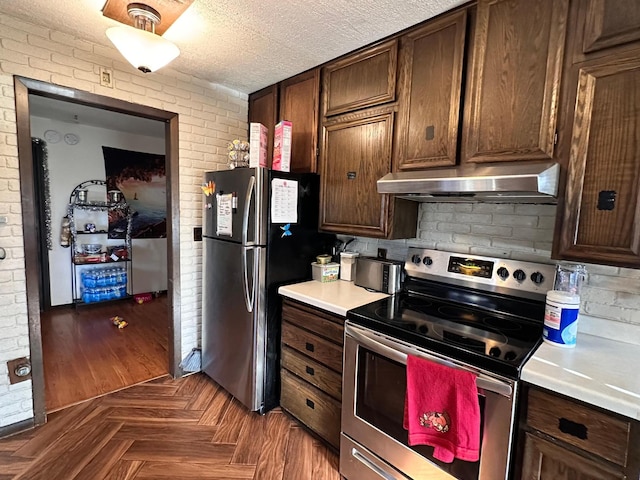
x,y
336,297
598,371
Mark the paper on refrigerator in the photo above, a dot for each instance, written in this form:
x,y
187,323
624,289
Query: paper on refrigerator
x,y
284,201
224,211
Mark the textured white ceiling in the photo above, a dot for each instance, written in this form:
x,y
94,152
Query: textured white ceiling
x,y
248,44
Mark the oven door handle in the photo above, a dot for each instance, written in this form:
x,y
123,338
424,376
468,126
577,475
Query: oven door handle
x,y
398,352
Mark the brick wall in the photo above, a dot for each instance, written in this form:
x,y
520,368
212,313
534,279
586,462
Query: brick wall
x,y
210,116
610,301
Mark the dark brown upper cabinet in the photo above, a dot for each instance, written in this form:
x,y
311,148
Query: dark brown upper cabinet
x,y
599,219
609,23
513,83
263,108
299,104
364,79
356,152
429,89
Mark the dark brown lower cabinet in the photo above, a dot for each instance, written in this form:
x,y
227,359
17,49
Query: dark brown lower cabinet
x,y
563,439
311,368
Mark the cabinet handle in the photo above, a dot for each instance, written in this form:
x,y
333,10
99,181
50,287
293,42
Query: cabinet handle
x,y
430,132
310,370
572,428
310,404
309,347
606,200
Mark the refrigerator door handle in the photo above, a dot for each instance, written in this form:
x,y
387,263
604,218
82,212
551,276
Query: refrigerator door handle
x,y
249,295
247,211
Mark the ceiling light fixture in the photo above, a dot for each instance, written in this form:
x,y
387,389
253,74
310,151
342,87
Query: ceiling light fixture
x,y
140,45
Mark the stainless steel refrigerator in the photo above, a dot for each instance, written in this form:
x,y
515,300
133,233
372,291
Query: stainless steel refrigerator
x,y
260,231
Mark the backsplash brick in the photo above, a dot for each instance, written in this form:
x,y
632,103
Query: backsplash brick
x,y
610,300
210,117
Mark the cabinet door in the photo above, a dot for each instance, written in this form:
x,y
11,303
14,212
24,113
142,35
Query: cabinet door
x,y
356,152
609,23
430,83
547,461
600,220
299,101
514,80
263,108
361,80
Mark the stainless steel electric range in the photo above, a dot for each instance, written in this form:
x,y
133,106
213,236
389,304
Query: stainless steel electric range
x,y
476,313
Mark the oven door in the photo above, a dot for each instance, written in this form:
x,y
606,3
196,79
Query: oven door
x,y
374,443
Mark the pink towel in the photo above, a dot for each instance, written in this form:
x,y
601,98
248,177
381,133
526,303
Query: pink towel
x,y
442,410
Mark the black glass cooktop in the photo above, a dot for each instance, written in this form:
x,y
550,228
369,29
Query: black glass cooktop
x,y
493,332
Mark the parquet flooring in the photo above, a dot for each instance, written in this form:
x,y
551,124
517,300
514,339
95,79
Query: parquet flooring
x,y
188,428
86,356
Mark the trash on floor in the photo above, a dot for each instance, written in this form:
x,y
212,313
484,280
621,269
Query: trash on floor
x,y
141,298
119,322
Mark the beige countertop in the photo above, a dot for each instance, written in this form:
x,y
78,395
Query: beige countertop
x,y
598,371
336,297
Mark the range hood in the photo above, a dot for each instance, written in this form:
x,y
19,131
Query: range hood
x,y
517,182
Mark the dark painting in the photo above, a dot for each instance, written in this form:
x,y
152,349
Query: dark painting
x,y
142,180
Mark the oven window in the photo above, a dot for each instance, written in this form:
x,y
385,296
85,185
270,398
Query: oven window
x,y
381,387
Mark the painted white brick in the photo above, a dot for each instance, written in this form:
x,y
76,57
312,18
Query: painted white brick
x,y
474,240
46,44
515,220
608,311
547,222
25,49
503,208
492,230
72,82
627,300
67,39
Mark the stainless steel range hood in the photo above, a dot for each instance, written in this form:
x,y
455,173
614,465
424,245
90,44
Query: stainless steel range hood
x,y
517,182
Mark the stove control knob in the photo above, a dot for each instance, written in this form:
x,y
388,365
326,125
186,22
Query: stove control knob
x,y
503,273
519,275
416,259
510,355
537,278
495,352
427,261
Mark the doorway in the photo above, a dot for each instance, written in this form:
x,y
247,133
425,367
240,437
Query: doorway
x,y
25,87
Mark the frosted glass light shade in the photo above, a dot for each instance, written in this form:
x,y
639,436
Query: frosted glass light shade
x,y
144,50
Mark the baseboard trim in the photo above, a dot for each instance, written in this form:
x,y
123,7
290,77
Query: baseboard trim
x,y
17,427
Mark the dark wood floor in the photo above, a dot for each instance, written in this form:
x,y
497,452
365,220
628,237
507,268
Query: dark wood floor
x,y
188,428
86,356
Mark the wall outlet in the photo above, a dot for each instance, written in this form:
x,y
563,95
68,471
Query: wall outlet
x,y
106,77
197,234
382,253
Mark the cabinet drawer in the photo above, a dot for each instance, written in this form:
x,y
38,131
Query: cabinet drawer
x,y
319,349
322,323
586,428
544,460
316,374
315,409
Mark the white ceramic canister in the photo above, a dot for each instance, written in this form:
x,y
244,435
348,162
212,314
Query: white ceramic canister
x,y
561,318
348,266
